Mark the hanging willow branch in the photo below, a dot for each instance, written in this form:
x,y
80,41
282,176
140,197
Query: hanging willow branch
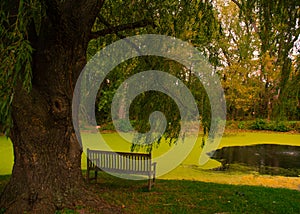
x,y
15,55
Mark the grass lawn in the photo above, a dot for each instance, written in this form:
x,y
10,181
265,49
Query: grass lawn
x,y
183,196
174,196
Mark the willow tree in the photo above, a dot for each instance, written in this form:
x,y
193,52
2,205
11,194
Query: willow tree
x,y
191,21
43,50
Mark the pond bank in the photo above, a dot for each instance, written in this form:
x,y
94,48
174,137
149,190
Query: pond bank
x,y
234,178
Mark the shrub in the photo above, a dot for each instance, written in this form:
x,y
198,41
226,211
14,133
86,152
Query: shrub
x,y
295,125
279,126
259,124
241,125
107,127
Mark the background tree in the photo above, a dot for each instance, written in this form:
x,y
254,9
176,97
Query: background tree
x,y
257,46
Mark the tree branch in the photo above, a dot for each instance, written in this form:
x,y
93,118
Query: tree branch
x,y
121,36
115,29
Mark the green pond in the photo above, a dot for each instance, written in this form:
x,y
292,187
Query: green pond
x,y
187,166
271,159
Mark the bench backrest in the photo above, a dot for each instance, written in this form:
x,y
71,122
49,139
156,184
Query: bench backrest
x,y
119,161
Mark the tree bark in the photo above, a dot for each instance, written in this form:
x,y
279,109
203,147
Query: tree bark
x,y
47,167
46,174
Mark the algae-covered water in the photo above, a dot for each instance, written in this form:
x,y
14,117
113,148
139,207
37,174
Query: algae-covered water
x,y
189,167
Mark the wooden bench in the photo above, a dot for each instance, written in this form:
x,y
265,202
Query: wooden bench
x,y
121,162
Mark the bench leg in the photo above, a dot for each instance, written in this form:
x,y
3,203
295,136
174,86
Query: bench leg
x,y
96,175
88,175
149,184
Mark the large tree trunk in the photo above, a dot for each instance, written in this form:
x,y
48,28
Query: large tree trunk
x,y
46,175
47,167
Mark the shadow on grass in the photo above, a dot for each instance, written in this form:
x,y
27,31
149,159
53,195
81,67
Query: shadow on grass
x,y
182,196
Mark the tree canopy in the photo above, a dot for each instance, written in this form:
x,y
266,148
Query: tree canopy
x,y
253,45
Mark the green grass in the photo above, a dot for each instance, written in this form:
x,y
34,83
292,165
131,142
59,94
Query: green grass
x,y
183,196
174,196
